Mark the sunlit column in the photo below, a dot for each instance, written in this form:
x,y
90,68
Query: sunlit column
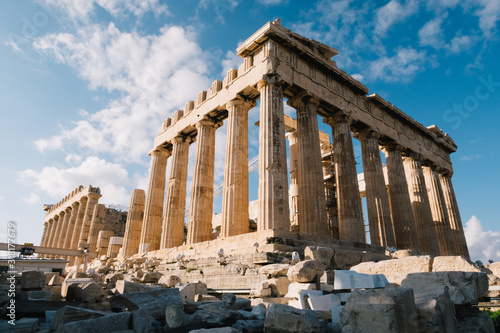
x,y
153,209
175,201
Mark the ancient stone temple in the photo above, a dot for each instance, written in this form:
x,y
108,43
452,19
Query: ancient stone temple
x,y
418,211
78,219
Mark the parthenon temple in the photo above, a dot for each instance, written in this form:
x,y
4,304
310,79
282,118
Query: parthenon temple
x,y
300,194
79,221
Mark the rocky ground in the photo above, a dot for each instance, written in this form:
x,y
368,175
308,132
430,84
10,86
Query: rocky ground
x,y
404,294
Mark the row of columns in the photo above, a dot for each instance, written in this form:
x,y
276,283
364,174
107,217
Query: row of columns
x,y
419,213
72,225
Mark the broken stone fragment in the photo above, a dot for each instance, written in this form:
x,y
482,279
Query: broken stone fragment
x,y
323,254
283,318
464,287
32,280
306,271
274,270
153,301
389,310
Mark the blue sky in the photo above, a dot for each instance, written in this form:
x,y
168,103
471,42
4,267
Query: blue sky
x,y
85,86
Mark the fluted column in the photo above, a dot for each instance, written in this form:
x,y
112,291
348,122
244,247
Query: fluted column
x,y
350,212
312,201
50,234
79,223
153,209
59,226
454,215
202,190
89,214
133,226
293,194
439,212
426,231
64,228
71,226
403,220
44,233
98,221
330,190
175,201
273,178
377,202
235,193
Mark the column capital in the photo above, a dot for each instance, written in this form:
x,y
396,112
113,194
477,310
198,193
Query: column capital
x,y
303,98
208,122
246,103
445,173
268,79
181,139
46,223
160,152
75,204
367,133
392,146
68,209
339,117
93,196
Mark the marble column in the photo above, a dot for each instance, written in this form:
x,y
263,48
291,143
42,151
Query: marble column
x,y
59,226
98,221
64,228
273,178
235,220
75,238
454,215
293,194
330,190
350,212
377,202
426,231
202,190
87,220
403,220
45,233
153,209
71,226
439,212
50,235
133,226
175,201
312,201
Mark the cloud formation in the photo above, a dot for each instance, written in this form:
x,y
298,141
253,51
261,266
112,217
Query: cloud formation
x,y
364,33
154,75
483,244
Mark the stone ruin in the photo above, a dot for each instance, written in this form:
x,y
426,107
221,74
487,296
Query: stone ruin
x,y
308,267
78,221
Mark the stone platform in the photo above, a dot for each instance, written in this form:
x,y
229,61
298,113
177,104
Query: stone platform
x,y
243,255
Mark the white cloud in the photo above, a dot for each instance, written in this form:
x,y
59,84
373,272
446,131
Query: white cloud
x,y
155,74
460,43
394,12
358,77
471,157
400,67
272,2
32,199
431,34
111,178
230,61
483,244
488,13
80,10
